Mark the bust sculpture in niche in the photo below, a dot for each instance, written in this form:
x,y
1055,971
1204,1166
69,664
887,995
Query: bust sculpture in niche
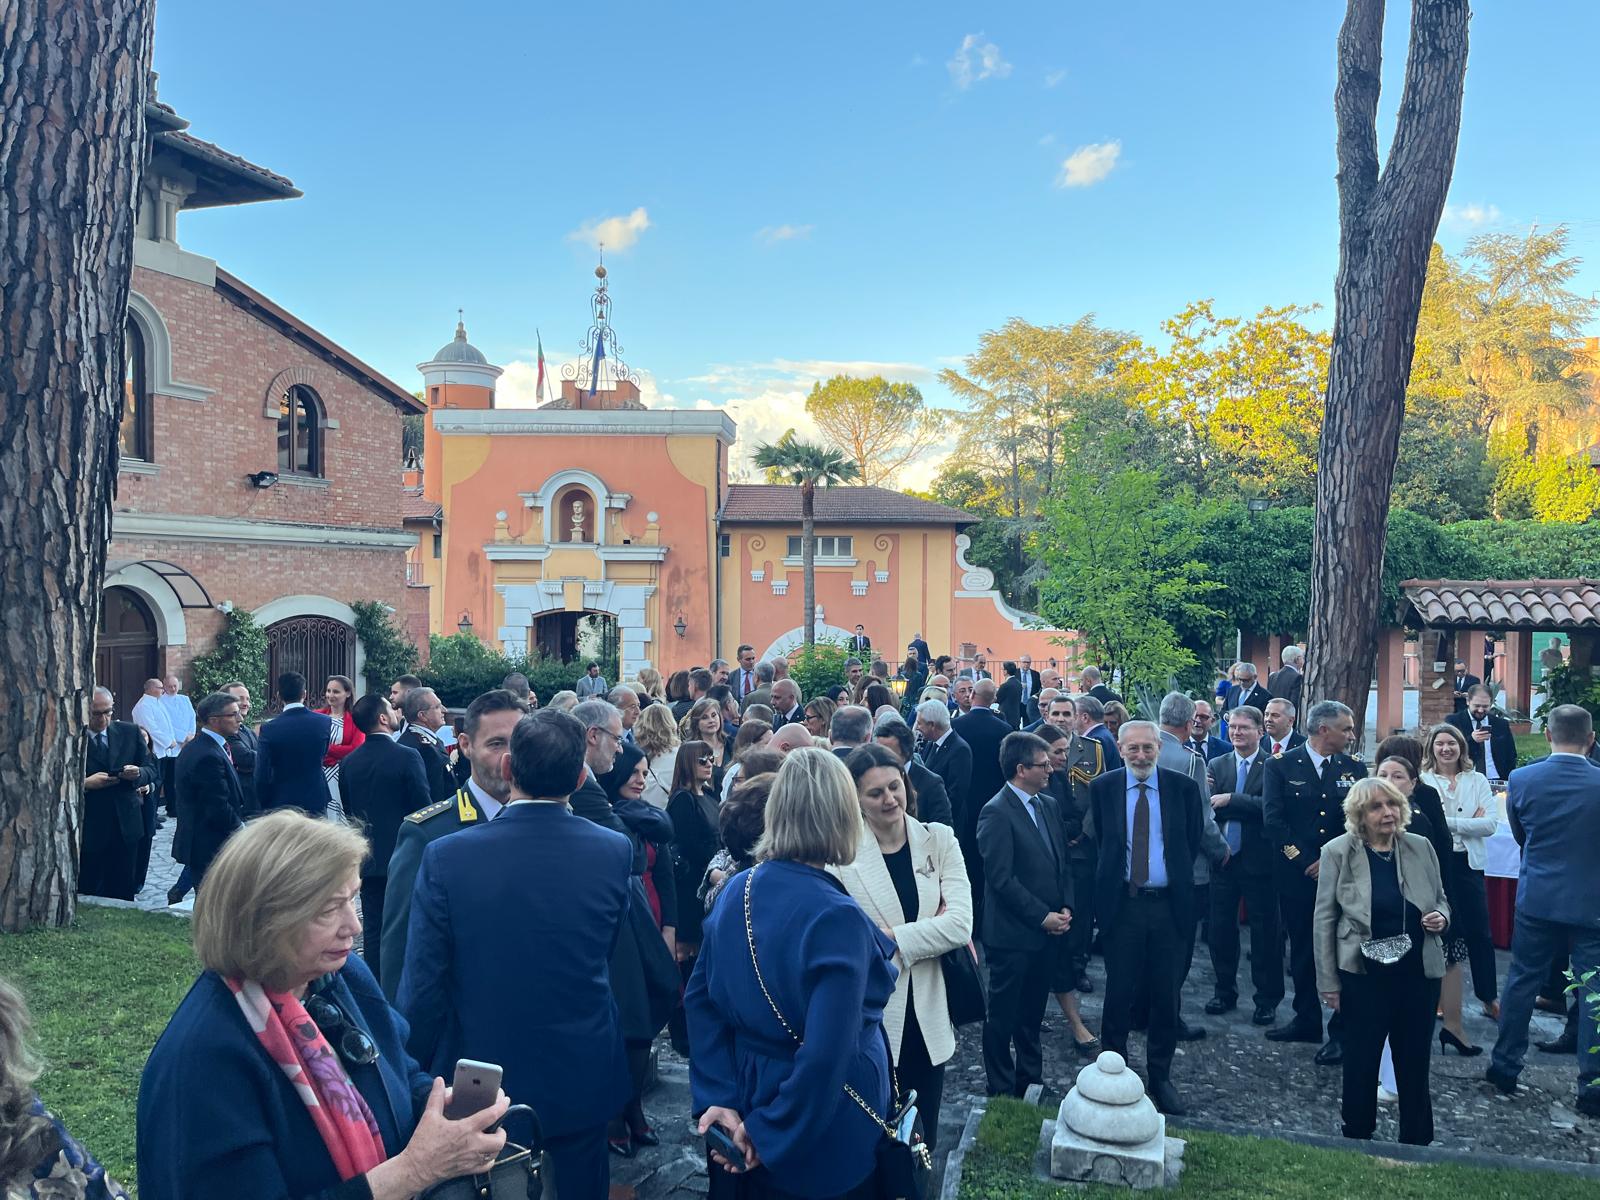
x,y
575,534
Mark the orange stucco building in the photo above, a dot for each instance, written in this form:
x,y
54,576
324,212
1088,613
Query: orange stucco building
x,y
530,520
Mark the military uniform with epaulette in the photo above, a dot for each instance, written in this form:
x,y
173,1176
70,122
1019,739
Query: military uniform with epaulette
x,y
1302,811
425,825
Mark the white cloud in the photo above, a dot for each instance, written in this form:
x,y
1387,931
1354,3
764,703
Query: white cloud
x,y
977,60
614,233
517,387
1047,140
1471,216
1088,165
1052,78
783,233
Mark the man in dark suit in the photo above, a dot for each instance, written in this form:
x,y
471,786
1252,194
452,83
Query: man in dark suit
x,y
1237,778
1302,810
242,746
1149,823
512,928
786,706
1488,734
1463,682
1279,734
1554,810
1090,680
210,799
947,755
420,706
484,741
914,670
1286,681
933,802
289,753
380,781
983,730
1023,844
117,763
860,645
1090,715
1028,679
1245,689
850,727
602,732
1009,695
1201,740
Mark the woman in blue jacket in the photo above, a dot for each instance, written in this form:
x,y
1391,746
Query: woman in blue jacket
x,y
771,1065
283,1074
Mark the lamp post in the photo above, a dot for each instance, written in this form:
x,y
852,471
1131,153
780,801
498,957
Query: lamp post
x,y
1258,504
679,627
464,625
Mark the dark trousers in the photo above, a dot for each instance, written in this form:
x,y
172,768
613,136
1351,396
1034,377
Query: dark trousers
x,y
1080,935
1144,952
915,1072
581,1164
141,860
761,1185
1398,1004
1469,919
169,785
1191,930
1229,885
1534,943
1297,898
372,920
108,862
1019,985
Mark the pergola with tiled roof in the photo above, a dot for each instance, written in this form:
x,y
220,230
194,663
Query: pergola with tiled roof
x,y
1504,604
776,503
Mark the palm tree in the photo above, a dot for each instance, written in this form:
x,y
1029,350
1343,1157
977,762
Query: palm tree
x,y
802,464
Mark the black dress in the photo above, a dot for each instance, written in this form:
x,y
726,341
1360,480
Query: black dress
x,y
914,1068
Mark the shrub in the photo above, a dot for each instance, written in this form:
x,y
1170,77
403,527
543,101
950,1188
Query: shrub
x,y
817,668
390,654
461,668
240,654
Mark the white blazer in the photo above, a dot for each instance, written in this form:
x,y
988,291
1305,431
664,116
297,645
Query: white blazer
x,y
658,777
941,874
1467,832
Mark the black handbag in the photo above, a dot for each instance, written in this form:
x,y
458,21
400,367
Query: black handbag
x,y
902,1167
514,1175
963,988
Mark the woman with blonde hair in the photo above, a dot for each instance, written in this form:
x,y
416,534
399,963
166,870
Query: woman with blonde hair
x,y
284,1071
703,723
1376,929
785,1007
1471,814
656,733
819,717
650,684
39,1159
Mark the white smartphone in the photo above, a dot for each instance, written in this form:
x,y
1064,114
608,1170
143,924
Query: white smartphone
x,y
476,1087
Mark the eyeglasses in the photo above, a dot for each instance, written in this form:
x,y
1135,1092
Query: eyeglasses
x,y
705,760
99,712
1037,765
352,1042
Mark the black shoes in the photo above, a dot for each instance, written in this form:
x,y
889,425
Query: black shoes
x,y
1331,1054
1265,1014
175,895
1218,1005
1293,1032
1567,1043
1503,1080
1190,1033
1166,1099
1446,1038
1089,1049
1084,986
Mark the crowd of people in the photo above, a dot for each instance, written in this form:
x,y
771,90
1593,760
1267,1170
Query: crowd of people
x,y
797,892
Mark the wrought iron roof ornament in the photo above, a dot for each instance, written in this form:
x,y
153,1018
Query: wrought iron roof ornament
x,y
599,366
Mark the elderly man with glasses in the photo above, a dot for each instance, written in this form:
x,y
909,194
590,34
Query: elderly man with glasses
x,y
117,765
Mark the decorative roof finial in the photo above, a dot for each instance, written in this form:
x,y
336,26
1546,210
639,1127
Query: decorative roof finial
x,y
461,325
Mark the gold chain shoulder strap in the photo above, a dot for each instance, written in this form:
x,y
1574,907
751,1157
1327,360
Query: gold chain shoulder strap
x,y
750,940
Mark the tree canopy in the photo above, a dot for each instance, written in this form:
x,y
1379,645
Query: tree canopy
x,y
880,425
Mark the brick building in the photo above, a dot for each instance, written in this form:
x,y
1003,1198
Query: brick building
x,y
260,460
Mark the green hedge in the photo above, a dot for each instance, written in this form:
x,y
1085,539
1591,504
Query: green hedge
x,y
461,668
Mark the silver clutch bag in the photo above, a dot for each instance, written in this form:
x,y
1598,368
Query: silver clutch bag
x,y
1388,950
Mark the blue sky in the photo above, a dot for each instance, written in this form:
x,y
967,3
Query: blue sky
x,y
821,185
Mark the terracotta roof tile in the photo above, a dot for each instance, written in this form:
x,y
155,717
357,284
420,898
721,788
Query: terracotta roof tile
x,y
770,503
1505,604
414,508
226,158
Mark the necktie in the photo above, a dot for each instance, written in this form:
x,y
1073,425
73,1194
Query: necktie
x,y
100,740
1044,830
1232,831
1277,747
1139,861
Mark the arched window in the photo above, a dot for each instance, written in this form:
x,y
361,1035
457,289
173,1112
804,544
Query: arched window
x,y
134,434
299,432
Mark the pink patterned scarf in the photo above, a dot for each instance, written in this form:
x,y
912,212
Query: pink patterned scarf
x,y
293,1041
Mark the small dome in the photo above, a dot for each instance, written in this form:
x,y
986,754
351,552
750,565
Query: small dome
x,y
459,350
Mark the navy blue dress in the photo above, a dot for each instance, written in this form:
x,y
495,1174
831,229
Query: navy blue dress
x,y
829,971
217,1117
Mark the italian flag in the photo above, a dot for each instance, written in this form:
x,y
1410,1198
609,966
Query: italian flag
x,y
538,390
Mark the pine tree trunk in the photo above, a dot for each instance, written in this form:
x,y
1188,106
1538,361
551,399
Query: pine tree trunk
x,y
74,77
1386,228
808,558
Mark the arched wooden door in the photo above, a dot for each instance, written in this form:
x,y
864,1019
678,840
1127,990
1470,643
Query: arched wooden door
x,y
315,647
127,649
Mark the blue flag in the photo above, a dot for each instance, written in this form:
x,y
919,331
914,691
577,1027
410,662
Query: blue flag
x,y
599,353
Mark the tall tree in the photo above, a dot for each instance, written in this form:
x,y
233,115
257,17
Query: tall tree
x,y
1387,220
881,425
806,466
74,79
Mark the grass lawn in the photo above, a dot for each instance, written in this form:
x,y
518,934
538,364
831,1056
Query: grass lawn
x,y
101,993
999,1167
1531,746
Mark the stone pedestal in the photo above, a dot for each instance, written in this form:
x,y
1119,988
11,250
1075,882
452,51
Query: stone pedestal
x,y
1107,1131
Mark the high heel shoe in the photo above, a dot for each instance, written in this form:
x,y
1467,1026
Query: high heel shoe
x,y
618,1139
645,1136
1446,1038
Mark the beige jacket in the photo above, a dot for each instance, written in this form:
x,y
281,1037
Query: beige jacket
x,y
941,875
1343,918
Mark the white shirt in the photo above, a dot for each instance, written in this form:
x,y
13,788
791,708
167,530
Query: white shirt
x,y
1489,769
150,715
491,807
180,713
